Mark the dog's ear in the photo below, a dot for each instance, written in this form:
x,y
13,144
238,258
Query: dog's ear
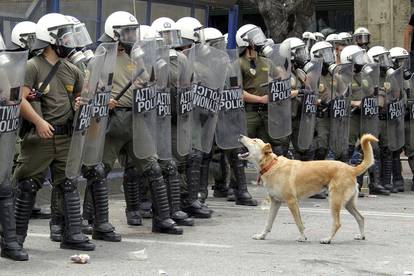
x,y
267,149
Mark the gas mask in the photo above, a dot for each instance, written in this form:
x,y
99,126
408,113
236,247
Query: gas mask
x,y
127,36
300,57
328,57
362,40
359,59
385,64
63,51
404,64
258,41
65,42
266,49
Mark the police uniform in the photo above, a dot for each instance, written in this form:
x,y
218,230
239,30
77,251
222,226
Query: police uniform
x,y
255,73
322,118
119,138
38,154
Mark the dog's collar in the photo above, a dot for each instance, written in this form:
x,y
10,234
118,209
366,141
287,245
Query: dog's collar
x,y
268,167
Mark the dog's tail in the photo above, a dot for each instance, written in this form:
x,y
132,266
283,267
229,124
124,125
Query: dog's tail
x,y
368,160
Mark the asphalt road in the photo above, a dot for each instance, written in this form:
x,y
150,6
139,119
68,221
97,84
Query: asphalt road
x,y
223,245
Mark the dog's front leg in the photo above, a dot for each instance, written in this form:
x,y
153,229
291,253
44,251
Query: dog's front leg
x,y
274,208
294,209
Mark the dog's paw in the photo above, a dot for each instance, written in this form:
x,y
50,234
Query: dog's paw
x,y
325,241
259,236
359,237
301,239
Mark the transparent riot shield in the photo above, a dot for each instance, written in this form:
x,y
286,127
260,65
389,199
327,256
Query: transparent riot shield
x,y
340,108
184,100
410,110
95,136
210,68
279,92
395,110
310,81
231,119
12,71
163,132
144,107
369,104
82,118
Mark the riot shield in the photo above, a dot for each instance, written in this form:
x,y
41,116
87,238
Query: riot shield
x,y
82,118
95,136
310,82
12,71
340,108
395,110
184,96
210,68
410,110
144,107
231,118
369,104
164,147
279,92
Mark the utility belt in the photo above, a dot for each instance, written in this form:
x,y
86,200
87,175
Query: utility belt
x,y
65,129
121,108
255,107
322,113
382,115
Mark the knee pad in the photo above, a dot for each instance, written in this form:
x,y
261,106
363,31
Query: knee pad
x,y
94,173
27,186
6,191
170,168
70,186
154,171
131,174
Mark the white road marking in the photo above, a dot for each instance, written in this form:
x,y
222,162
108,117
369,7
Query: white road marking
x,y
200,244
316,210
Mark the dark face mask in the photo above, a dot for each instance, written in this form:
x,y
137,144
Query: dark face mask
x,y
62,51
325,69
127,47
383,71
358,68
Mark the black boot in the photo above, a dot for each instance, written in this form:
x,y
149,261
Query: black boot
x,y
194,207
243,196
220,177
411,163
161,221
102,229
145,204
10,248
386,170
73,238
397,178
131,183
204,175
375,187
57,219
25,199
88,211
231,197
172,181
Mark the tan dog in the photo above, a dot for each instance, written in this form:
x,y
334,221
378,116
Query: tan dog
x,y
291,180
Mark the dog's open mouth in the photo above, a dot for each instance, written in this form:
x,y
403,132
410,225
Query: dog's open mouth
x,y
244,155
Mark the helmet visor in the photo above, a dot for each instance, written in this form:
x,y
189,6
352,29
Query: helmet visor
x,y
127,34
199,34
172,38
362,38
360,58
218,43
301,54
327,54
254,37
2,45
383,60
65,37
82,36
28,39
403,62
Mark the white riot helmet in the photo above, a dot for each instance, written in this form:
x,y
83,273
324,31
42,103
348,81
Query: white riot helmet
x,y
354,54
346,38
362,37
168,30
334,39
147,33
2,45
380,55
309,38
298,50
24,35
123,27
253,36
57,30
324,50
191,30
400,58
319,36
82,36
214,38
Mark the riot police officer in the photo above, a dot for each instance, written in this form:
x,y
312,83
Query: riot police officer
x,y
50,138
